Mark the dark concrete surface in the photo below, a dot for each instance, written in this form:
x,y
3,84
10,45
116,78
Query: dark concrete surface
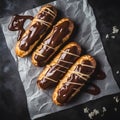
x,y
13,104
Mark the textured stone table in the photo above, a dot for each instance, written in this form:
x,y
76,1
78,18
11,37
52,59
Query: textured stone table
x,y
13,104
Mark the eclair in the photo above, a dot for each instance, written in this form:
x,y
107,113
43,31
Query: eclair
x,y
36,30
49,46
74,80
58,67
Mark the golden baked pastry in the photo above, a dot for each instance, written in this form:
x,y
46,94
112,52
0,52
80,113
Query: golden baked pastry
x,y
58,35
36,30
74,80
58,67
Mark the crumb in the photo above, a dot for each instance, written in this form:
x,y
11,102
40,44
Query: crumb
x,y
96,112
115,109
86,110
104,109
91,114
115,29
107,36
113,37
116,99
117,72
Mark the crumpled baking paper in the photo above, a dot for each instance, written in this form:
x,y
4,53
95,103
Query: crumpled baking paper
x,y
39,101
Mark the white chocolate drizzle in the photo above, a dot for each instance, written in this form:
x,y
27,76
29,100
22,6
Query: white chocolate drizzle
x,y
48,24
81,75
62,66
65,61
47,46
70,53
46,8
90,66
60,70
74,83
50,79
50,12
39,54
76,90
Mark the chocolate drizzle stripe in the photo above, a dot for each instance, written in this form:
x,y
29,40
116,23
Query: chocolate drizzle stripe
x,y
48,24
60,70
70,53
81,75
50,79
47,46
74,83
64,61
38,54
50,13
61,66
76,91
90,66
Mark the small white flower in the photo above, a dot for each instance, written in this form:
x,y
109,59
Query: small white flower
x,y
96,112
86,110
115,29
91,115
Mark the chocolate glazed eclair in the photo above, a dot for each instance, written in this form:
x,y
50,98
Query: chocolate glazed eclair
x,y
74,80
58,35
56,70
35,31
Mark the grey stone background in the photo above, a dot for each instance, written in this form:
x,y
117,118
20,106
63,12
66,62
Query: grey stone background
x,y
13,104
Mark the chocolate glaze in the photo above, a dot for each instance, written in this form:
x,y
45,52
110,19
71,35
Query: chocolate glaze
x,y
100,75
65,92
67,89
55,74
93,89
34,33
56,38
17,24
36,30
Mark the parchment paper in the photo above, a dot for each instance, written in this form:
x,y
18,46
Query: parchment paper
x,y
39,101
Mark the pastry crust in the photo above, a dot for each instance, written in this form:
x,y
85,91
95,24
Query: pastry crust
x,y
71,71
74,55
52,42
52,13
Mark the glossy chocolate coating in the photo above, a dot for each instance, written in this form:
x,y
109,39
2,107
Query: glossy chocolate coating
x,y
65,92
93,89
17,23
36,30
56,39
53,73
